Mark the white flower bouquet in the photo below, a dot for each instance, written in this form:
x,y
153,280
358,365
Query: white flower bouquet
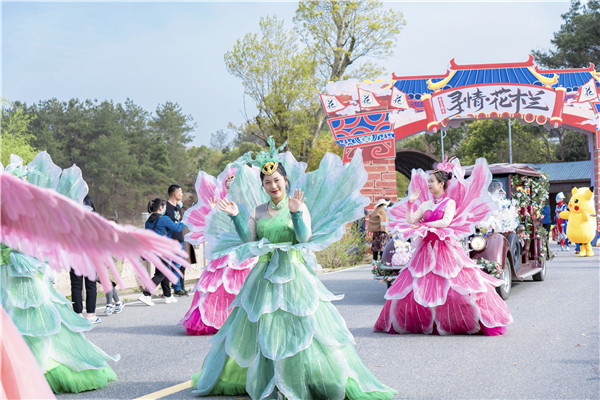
x,y
505,219
402,254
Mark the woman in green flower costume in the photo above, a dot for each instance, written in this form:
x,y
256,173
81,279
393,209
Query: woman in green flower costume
x,y
51,329
283,334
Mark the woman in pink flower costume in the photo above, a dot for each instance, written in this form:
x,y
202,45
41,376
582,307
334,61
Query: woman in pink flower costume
x,y
442,291
222,279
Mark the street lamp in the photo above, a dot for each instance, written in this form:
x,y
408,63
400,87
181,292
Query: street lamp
x,y
510,122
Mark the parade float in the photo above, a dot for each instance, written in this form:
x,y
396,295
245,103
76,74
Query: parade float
x,y
512,243
396,255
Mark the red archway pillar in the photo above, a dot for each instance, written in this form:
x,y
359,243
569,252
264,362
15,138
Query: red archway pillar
x,y
381,181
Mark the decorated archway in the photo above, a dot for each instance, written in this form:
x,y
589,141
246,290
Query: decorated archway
x,y
372,116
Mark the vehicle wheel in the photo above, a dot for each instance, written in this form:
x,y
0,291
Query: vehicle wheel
x,y
540,276
504,289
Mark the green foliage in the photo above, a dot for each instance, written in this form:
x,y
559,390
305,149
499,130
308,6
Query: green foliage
x,y
214,161
126,154
347,251
431,144
284,78
531,194
491,267
530,144
15,136
171,127
325,144
402,185
219,140
571,146
280,79
378,271
489,139
339,33
576,42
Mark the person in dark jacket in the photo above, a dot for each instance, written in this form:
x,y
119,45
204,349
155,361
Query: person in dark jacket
x,y
174,212
547,220
164,226
77,281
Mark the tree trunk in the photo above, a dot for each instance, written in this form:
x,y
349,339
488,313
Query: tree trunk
x,y
320,121
547,144
561,141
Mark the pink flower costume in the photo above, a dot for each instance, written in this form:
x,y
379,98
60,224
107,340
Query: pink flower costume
x,y
222,279
41,218
442,290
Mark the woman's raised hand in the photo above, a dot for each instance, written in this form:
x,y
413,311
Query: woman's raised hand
x,y
213,202
229,207
414,196
296,201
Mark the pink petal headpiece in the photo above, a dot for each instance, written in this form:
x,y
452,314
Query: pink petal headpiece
x,y
446,166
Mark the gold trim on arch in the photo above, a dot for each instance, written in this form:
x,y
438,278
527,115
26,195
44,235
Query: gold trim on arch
x,y
441,83
543,79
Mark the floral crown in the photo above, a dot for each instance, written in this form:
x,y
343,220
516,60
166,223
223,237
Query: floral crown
x,y
446,166
267,161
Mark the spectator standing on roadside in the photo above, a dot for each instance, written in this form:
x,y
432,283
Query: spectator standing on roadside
x,y
380,232
113,295
90,285
361,223
162,225
174,212
546,220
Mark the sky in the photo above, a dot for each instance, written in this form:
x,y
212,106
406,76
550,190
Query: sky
x,y
154,52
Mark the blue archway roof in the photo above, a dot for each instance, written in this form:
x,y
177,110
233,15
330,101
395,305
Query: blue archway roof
x,y
464,75
414,88
492,75
572,81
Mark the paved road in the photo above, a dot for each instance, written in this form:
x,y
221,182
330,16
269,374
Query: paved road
x,y
551,351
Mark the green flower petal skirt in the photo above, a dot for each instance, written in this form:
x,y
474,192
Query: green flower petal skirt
x,y
286,337
53,332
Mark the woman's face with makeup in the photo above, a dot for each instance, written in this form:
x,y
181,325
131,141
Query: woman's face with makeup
x,y
274,185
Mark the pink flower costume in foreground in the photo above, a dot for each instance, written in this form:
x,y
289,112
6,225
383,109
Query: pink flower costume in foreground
x,y
42,220
442,290
222,279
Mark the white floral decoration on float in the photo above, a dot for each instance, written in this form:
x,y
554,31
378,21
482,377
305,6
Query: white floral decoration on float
x,y
505,219
403,253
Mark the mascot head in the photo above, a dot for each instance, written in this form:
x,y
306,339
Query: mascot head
x,y
581,201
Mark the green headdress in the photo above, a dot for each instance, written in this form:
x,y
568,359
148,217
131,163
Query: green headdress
x,y
267,161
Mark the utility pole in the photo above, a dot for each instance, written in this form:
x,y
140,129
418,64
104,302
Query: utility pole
x,y
442,136
510,122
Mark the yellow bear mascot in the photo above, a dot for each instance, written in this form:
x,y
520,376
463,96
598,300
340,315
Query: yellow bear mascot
x,y
582,223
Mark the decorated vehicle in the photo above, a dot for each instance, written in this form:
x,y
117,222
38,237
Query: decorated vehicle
x,y
395,256
510,244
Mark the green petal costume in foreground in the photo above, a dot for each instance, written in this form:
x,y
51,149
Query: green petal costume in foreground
x,y
283,333
44,317
51,329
